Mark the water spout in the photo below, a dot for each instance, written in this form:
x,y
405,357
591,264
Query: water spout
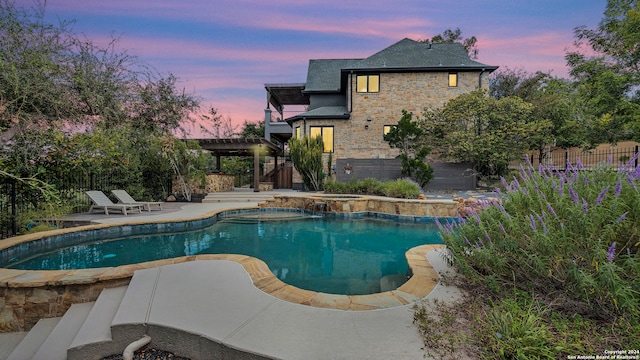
x,y
318,208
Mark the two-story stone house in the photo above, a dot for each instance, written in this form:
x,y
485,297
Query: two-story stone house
x,y
352,103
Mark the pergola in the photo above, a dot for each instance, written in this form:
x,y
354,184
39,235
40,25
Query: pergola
x,y
243,147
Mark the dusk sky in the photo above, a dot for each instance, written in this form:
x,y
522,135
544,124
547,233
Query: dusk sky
x,y
224,51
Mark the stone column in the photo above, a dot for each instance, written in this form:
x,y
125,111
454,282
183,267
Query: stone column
x,y
267,122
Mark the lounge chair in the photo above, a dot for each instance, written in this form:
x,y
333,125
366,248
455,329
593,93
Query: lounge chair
x,y
103,203
124,198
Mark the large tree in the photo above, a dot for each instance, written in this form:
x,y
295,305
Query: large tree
x,y
553,100
608,81
50,76
52,79
485,131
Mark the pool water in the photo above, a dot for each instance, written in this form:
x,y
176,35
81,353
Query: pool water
x,y
330,255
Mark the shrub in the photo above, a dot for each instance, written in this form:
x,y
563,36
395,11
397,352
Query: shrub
x,y
572,234
398,189
403,189
335,187
306,155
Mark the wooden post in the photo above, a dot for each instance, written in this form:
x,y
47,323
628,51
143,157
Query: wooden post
x,y
276,173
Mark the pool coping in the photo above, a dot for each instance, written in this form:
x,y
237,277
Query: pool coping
x,y
422,282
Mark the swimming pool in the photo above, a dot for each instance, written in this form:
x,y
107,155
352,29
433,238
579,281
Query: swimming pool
x,y
350,255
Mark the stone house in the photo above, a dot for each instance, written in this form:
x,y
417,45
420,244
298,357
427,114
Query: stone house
x,y
352,103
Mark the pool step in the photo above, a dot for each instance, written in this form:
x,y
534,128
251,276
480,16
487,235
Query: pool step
x,y
83,332
56,345
34,338
129,321
94,337
8,342
50,338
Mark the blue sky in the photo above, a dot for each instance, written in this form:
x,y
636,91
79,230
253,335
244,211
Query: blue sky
x,y
224,51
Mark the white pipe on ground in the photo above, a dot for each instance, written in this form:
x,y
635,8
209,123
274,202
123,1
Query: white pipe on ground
x,y
127,354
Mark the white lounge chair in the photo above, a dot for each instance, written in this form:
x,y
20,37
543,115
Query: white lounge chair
x,y
103,203
124,198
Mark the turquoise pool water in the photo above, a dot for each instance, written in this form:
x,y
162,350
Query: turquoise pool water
x,y
332,255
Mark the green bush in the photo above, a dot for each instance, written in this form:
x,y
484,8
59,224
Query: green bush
x,y
399,188
403,189
306,155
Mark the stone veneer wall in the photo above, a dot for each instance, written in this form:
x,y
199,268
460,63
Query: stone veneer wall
x,y
398,91
213,183
435,208
22,307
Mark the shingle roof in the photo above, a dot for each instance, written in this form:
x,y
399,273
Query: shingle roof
x,y
405,55
410,54
324,74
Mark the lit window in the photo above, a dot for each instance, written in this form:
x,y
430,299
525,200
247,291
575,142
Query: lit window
x,y
387,128
368,83
453,79
297,132
327,136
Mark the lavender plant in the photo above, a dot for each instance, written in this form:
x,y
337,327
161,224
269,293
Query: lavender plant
x,y
570,236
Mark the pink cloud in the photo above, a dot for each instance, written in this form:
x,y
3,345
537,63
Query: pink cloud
x,y
543,52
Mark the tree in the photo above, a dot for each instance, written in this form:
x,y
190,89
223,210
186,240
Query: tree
x,y
455,36
50,76
252,130
32,67
223,128
408,137
609,81
486,131
306,155
553,100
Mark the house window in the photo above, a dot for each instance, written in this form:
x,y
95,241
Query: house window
x,y
297,136
368,83
453,79
387,128
327,136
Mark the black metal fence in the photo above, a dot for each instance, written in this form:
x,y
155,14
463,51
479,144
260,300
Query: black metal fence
x,y
559,158
20,201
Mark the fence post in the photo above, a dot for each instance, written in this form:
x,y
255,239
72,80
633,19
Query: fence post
x,y
14,210
91,181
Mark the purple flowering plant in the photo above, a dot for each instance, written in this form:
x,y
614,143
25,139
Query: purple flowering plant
x,y
572,233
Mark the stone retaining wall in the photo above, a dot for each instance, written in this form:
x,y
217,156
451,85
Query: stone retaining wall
x,y
347,204
22,307
213,183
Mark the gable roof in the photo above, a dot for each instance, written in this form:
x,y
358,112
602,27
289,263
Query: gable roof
x,y
406,55
409,54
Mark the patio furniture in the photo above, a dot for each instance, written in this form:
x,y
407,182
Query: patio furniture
x,y
103,203
124,198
